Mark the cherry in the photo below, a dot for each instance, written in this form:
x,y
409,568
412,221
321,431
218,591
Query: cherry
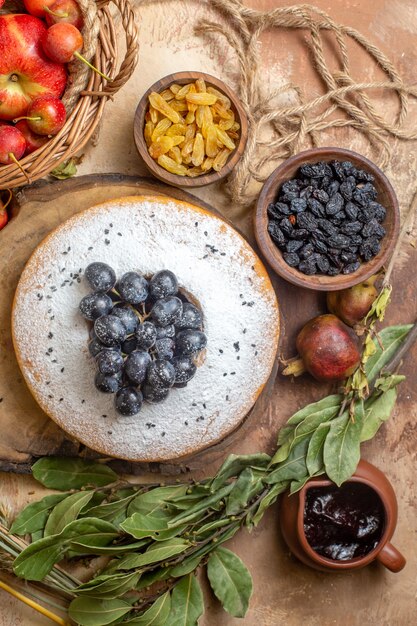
x,y
352,304
33,141
328,350
66,11
12,146
62,43
46,115
37,7
4,216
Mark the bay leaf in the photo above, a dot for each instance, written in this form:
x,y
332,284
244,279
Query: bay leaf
x,y
141,526
97,612
35,561
384,383
341,451
81,548
293,468
64,473
148,579
330,404
391,338
187,604
156,552
154,502
197,510
377,411
267,501
248,484
34,515
38,534
314,459
234,464
66,511
230,580
114,512
156,615
296,485
187,566
108,587
209,526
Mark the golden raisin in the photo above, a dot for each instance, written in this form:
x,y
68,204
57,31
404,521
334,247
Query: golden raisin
x,y
159,104
160,128
198,150
169,164
211,141
160,146
220,160
201,98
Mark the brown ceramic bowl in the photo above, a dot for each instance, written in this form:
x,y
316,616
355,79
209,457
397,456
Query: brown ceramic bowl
x,y
292,524
182,78
320,282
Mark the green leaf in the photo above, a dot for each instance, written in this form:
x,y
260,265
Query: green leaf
x,y
67,169
209,526
391,338
114,512
230,580
314,460
186,567
341,451
148,579
141,526
305,422
35,561
96,612
380,304
187,603
197,510
108,587
234,464
268,500
156,615
293,468
377,411
66,511
82,548
34,516
245,488
156,552
296,485
385,383
154,502
71,473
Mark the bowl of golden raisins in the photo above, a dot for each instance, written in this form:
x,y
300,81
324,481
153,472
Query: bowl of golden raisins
x,y
190,129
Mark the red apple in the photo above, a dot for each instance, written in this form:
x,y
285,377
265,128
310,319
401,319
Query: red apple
x,y
25,71
12,145
37,7
4,216
33,141
2,2
67,11
46,115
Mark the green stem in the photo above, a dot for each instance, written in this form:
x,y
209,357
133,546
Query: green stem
x,y
84,60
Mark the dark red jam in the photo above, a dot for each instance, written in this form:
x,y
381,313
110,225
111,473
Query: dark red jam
x,y
343,523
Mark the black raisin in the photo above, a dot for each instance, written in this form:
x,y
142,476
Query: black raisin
x,y
294,245
320,246
370,228
298,205
327,226
366,214
363,175
286,226
335,204
348,167
323,264
325,182
288,196
333,271
348,257
307,221
351,228
365,194
352,267
320,195
379,211
351,210
339,241
339,170
379,231
306,192
290,186
339,218
291,258
278,210
356,240
347,188
300,233
316,207
306,251
276,234
307,267
316,170
333,187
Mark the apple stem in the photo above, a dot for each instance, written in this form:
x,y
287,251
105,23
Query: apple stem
x,y
13,158
24,117
47,10
81,58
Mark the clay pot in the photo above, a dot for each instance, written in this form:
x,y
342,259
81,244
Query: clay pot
x,y
292,524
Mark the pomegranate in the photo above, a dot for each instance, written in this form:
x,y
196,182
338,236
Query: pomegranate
x,y
352,304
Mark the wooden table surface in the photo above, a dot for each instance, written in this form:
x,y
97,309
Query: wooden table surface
x,y
286,592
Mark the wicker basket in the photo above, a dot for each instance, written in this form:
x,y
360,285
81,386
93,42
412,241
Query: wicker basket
x,y
86,93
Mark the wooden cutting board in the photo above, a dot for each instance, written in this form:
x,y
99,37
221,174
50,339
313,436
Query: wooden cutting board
x,y
37,211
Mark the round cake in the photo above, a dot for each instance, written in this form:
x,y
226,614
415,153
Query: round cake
x,y
213,263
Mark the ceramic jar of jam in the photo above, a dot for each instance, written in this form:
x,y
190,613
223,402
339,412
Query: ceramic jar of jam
x,y
343,528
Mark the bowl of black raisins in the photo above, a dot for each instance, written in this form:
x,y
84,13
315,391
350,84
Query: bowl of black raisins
x,y
327,219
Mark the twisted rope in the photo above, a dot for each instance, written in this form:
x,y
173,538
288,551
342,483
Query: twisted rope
x,y
299,125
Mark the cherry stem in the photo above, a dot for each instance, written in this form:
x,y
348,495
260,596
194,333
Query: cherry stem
x,y
24,117
47,10
13,158
3,207
81,58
